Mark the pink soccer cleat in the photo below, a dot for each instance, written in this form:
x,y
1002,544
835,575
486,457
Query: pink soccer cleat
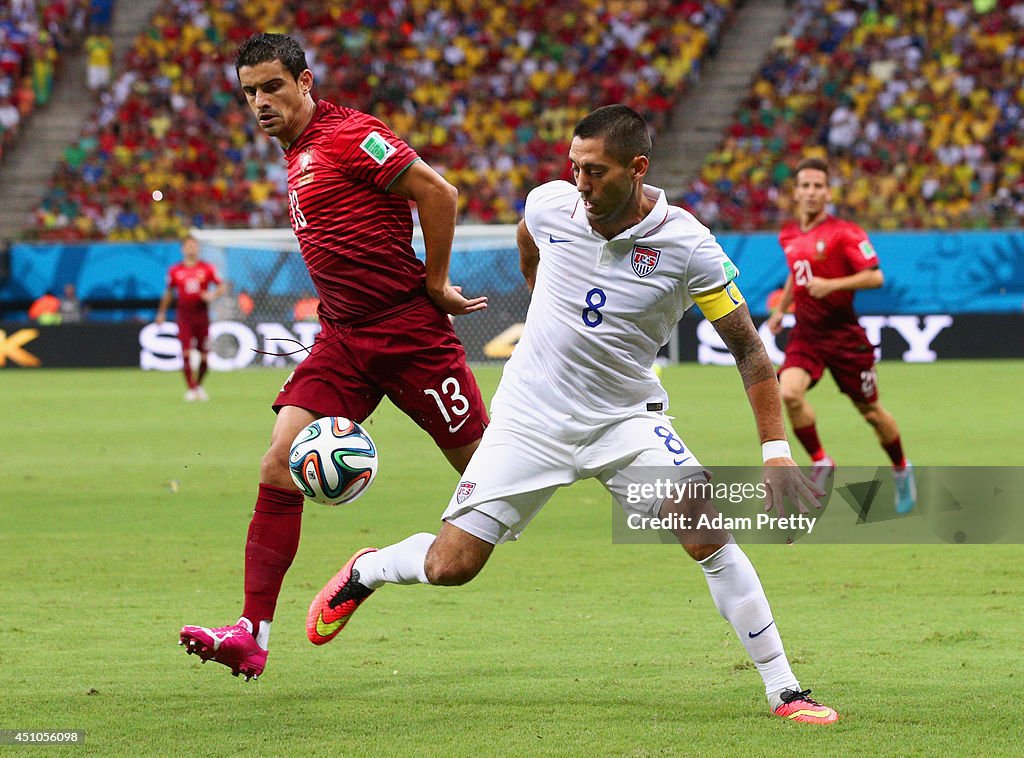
x,y
821,471
797,706
337,601
234,646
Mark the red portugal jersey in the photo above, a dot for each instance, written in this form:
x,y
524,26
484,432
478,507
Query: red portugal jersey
x,y
190,282
355,236
832,249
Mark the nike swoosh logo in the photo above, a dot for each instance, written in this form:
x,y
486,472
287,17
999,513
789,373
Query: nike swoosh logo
x,y
758,634
822,714
324,629
554,240
458,426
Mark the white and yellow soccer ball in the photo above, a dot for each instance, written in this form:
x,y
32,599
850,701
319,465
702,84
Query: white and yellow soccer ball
x,y
333,460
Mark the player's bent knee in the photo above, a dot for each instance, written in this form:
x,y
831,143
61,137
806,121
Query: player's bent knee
x,y
792,397
699,542
700,551
871,415
455,557
274,468
450,570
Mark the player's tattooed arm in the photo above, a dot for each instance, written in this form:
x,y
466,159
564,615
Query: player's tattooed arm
x,y
529,254
739,335
781,475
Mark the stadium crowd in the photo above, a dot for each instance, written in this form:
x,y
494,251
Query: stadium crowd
x,y
33,38
485,93
917,103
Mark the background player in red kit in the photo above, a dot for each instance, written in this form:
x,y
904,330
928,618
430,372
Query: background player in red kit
x,y
384,314
829,260
190,282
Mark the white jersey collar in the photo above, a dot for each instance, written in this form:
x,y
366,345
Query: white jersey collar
x,y
647,225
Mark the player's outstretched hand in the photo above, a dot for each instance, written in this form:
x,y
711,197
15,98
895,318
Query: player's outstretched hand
x,y
783,479
451,301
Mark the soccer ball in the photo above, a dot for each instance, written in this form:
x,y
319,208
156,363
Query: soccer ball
x,y
333,460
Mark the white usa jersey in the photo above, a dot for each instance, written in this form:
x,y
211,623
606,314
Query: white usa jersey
x,y
601,309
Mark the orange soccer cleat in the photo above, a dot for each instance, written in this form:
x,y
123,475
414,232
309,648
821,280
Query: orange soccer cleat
x,y
797,706
336,602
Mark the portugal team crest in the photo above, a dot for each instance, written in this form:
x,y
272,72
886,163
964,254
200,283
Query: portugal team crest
x,y
305,163
645,260
465,490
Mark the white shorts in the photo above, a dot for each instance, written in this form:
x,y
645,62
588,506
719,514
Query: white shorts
x,y
517,469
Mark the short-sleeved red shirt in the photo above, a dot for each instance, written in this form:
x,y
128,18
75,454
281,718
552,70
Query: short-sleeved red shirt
x,y
832,249
189,283
355,236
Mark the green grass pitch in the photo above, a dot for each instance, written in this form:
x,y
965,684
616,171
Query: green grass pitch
x,y
123,513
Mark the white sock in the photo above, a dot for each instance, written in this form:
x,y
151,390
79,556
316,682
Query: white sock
x,y
740,599
262,636
401,563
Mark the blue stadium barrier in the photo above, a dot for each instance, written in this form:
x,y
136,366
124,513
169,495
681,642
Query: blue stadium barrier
x,y
926,272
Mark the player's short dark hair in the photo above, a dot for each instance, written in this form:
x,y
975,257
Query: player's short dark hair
x,y
264,48
818,164
624,131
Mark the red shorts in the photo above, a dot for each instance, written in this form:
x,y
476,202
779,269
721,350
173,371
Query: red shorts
x,y
848,356
412,356
193,326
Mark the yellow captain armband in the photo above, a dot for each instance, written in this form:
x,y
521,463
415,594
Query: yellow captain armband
x,y
720,302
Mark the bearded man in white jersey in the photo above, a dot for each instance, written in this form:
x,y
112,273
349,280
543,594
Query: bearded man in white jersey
x,y
612,268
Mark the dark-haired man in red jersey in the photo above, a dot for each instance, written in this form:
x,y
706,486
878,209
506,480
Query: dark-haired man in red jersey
x,y
384,314
829,260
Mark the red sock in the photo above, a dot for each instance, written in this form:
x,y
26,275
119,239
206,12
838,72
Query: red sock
x,y
270,547
808,436
187,369
894,450
202,370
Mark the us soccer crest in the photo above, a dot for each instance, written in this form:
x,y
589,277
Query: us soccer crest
x,y
465,490
644,260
